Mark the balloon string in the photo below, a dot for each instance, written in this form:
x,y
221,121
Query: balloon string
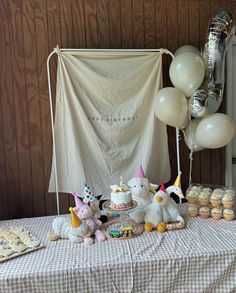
x,y
184,133
190,167
190,159
189,144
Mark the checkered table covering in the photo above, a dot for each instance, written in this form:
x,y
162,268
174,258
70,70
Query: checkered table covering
x,y
199,258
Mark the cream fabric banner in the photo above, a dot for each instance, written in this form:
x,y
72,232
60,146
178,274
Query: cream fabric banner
x,y
104,123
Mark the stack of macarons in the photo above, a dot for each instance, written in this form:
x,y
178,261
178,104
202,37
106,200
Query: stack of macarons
x,y
206,201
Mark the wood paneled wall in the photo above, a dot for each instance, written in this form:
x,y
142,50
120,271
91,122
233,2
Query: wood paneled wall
x,y
29,30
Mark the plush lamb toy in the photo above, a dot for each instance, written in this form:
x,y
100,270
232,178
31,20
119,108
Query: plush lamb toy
x,y
85,214
72,229
142,192
162,213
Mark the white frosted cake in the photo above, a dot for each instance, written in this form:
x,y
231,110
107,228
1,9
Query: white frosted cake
x,y
121,197
121,200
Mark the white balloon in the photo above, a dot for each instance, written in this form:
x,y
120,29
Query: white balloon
x,y
170,106
187,71
187,48
190,136
215,131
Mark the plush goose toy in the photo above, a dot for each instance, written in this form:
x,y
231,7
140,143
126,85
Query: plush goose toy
x,y
163,213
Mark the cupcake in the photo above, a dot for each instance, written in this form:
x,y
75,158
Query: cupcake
x,y
192,210
227,201
216,213
203,198
230,193
197,187
204,212
215,199
192,197
217,191
207,189
228,190
228,214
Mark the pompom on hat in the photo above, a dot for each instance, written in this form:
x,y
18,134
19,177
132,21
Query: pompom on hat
x,y
163,186
139,172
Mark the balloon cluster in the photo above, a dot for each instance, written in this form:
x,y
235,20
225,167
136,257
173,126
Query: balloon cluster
x,y
198,81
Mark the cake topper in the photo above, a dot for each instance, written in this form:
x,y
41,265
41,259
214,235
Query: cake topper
x,y
120,188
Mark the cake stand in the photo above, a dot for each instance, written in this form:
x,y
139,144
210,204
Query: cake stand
x,y
123,227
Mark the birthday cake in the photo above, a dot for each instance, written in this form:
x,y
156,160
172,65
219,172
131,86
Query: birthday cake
x,y
121,198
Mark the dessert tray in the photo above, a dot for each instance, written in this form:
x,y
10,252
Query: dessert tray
x,y
207,200
16,241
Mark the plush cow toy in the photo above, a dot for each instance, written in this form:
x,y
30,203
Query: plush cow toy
x,y
142,192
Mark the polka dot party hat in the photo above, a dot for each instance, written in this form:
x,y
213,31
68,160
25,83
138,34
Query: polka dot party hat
x,y
88,195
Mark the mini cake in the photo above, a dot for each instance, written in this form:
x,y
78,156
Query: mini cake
x,y
203,198
204,212
192,197
227,201
192,210
228,214
216,199
216,213
121,197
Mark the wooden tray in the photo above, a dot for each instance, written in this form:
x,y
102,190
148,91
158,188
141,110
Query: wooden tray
x,y
137,229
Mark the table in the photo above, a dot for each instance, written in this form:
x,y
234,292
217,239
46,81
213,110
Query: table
x,y
199,258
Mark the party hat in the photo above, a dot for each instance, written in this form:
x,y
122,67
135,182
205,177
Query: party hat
x,y
88,195
139,172
78,202
75,221
163,186
178,181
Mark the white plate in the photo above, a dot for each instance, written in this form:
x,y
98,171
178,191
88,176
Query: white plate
x,y
23,252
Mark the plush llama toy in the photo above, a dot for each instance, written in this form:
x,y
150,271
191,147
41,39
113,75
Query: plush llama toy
x,y
72,229
85,214
163,213
142,192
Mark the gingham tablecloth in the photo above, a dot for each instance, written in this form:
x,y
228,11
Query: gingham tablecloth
x,y
199,258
